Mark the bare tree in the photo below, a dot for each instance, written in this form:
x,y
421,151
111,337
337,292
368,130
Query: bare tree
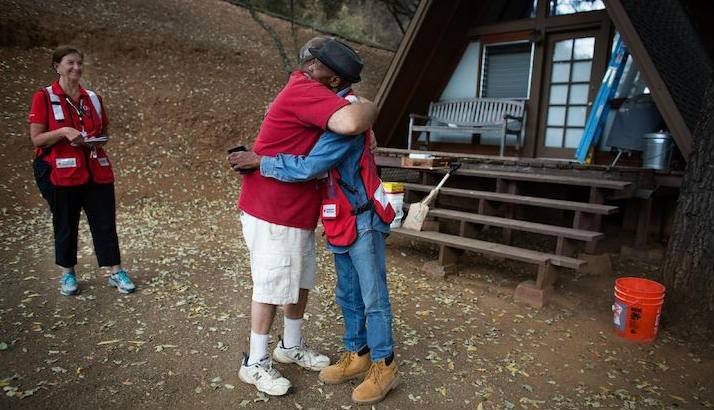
x,y
401,10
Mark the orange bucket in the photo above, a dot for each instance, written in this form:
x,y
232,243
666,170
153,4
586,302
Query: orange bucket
x,y
637,307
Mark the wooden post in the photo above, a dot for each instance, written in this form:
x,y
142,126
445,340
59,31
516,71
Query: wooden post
x,y
449,256
581,220
596,197
565,247
643,223
510,211
445,265
468,229
537,293
547,275
485,208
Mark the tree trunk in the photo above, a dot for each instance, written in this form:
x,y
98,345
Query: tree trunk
x,y
688,272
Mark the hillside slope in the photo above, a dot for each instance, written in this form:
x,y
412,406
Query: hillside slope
x,y
182,81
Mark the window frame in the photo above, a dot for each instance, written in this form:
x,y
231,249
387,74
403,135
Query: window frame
x,y
482,66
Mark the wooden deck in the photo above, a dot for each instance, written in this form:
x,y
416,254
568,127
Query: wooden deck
x,y
480,208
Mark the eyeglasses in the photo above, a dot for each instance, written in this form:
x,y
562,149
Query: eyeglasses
x,y
319,64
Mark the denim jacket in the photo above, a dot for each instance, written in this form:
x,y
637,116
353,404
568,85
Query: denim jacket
x,y
331,150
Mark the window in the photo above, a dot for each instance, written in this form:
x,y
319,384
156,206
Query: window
x,y
561,7
506,70
568,93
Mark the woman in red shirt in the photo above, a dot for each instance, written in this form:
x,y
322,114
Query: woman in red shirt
x,y
68,127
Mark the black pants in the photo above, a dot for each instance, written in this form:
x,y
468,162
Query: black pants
x,y
99,205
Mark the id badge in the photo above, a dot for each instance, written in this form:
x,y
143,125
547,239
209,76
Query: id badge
x,y
66,162
329,211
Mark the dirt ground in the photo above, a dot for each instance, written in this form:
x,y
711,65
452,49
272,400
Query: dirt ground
x,y
184,80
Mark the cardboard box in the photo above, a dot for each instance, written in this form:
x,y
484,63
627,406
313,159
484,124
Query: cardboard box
x,y
425,163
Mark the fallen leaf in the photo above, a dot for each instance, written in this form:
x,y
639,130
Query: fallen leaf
x,y
678,398
108,342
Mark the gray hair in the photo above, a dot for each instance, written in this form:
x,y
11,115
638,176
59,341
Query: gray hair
x,y
304,55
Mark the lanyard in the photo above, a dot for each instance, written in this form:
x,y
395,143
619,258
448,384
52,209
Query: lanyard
x,y
78,109
80,113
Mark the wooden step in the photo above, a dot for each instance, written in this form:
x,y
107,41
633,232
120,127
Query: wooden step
x,y
546,178
525,226
519,199
492,249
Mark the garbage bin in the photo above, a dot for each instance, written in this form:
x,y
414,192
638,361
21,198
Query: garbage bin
x,y
657,150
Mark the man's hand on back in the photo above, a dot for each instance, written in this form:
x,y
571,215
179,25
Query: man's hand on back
x,y
244,160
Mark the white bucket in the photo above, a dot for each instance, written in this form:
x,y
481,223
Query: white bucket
x,y
397,201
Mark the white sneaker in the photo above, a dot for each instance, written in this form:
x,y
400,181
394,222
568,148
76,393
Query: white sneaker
x,y
264,377
301,355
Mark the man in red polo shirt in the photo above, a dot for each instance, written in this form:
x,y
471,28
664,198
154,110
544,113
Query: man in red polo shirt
x,y
279,218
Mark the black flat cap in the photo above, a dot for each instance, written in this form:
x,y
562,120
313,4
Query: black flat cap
x,y
341,58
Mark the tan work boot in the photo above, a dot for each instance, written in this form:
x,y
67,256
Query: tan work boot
x,y
350,366
379,381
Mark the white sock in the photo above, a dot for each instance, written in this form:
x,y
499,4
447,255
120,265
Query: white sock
x,y
258,347
292,332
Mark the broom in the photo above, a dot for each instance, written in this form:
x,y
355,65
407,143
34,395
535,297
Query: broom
x,y
418,211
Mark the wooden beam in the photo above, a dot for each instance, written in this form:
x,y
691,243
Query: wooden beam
x,y
643,223
414,58
404,46
550,23
660,93
504,27
568,22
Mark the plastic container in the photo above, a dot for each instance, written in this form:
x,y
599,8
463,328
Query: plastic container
x,y
393,187
397,201
637,308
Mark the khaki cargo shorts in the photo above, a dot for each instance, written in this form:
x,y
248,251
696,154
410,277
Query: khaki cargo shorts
x,y
282,260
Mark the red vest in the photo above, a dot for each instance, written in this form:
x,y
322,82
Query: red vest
x,y
339,217
72,165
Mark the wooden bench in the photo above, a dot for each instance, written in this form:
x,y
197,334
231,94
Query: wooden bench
x,y
564,235
506,183
525,226
473,116
534,293
546,178
519,199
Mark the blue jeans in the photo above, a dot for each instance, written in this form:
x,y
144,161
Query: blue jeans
x,y
363,296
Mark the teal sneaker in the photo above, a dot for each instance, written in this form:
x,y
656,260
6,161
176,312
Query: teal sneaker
x,y
68,284
121,281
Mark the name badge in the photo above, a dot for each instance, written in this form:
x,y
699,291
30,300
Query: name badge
x,y
66,162
329,211
103,161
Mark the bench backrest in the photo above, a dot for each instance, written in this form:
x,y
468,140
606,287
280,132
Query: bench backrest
x,y
475,111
